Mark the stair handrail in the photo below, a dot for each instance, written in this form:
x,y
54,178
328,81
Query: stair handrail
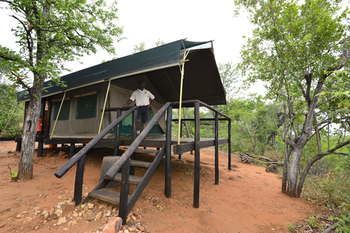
x,y
75,158
201,103
113,170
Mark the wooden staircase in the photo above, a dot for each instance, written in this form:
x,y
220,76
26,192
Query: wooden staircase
x,y
123,178
126,186
108,190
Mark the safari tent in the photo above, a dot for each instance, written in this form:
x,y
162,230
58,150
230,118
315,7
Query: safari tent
x,y
89,99
91,109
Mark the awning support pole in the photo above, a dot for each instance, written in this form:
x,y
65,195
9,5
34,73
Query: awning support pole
x,y
58,115
104,106
180,96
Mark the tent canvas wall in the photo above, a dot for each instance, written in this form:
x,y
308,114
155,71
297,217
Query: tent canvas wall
x,y
170,76
81,112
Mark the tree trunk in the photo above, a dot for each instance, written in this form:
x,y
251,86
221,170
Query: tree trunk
x,y
25,166
285,169
293,172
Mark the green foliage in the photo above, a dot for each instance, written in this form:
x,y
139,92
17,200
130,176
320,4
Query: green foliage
x,y
140,47
301,50
228,78
312,221
333,187
254,125
49,33
292,228
343,223
11,112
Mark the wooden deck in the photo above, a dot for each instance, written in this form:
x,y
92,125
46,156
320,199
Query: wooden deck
x,y
186,144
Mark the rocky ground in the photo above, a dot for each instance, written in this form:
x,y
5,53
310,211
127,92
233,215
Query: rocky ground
x,y
248,199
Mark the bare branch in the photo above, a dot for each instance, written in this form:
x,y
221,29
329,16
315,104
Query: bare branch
x,y
28,38
328,152
20,81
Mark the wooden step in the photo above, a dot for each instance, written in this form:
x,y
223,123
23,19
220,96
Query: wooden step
x,y
106,194
139,163
132,179
146,151
141,150
109,160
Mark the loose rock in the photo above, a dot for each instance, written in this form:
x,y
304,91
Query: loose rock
x,y
113,226
61,220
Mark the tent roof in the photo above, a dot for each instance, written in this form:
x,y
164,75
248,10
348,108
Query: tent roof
x,y
163,57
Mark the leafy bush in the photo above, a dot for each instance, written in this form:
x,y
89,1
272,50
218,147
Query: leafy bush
x,y
343,223
11,112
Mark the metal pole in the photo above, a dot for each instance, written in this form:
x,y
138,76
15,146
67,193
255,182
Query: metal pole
x,y
216,142
229,144
180,97
196,184
58,114
104,106
167,190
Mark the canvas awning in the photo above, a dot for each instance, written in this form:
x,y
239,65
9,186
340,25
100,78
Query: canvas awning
x,y
161,66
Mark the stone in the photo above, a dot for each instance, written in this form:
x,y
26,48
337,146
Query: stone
x,y
45,214
108,213
90,206
141,228
58,212
61,220
98,215
113,225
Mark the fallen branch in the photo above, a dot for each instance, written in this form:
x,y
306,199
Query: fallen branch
x,y
248,158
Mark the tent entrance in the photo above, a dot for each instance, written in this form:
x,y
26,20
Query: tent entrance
x,y
125,128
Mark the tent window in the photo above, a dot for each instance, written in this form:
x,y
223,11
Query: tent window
x,y
86,107
64,114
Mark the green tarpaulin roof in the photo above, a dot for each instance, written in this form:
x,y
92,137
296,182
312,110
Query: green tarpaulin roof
x,y
164,60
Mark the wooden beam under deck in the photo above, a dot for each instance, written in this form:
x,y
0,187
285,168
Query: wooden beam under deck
x,y
187,144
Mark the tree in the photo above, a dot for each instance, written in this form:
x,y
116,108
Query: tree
x,y
139,47
11,113
301,48
49,33
228,78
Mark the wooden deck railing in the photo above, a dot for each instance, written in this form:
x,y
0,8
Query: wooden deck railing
x,y
80,157
124,162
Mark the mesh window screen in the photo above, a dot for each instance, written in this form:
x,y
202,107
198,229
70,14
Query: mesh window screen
x,y
86,107
64,114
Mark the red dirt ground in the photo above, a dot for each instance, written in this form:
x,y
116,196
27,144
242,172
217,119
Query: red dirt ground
x,y
247,200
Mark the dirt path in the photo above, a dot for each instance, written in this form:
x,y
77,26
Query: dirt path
x,y
247,200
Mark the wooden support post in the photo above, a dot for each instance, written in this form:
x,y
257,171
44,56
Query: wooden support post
x,y
18,145
79,178
134,119
124,192
71,149
229,144
181,135
41,134
40,145
167,164
117,134
216,142
134,135
104,107
196,185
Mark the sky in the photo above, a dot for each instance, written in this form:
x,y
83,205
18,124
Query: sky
x,y
164,20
